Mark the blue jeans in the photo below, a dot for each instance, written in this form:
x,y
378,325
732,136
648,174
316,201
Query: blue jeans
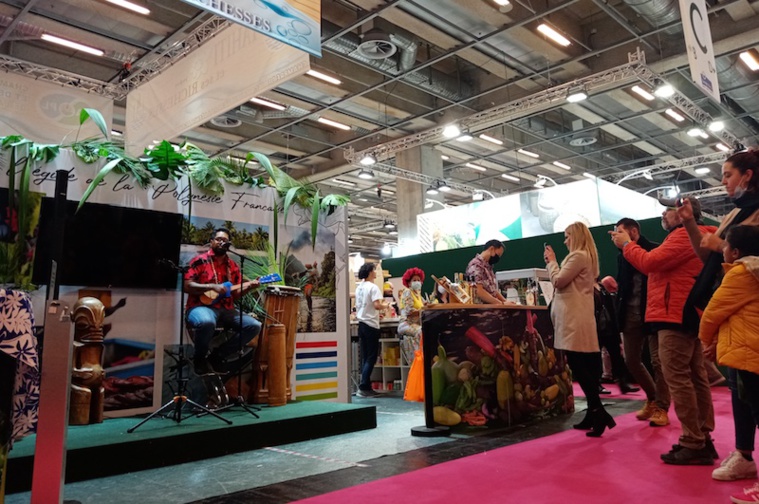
x,y
368,338
745,426
204,320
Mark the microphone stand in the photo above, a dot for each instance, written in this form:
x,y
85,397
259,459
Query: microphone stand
x,y
180,397
240,400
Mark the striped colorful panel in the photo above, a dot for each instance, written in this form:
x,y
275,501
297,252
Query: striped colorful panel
x,y
316,370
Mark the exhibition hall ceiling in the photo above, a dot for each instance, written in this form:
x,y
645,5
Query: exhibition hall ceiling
x,y
405,67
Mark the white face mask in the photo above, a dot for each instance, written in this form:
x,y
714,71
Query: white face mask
x,y
416,285
739,191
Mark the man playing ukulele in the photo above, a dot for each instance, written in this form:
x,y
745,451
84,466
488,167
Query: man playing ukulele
x,y
214,273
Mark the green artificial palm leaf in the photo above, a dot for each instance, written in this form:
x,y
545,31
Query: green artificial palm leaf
x,y
275,230
44,152
86,151
335,200
105,170
314,219
97,118
164,161
9,140
291,193
23,195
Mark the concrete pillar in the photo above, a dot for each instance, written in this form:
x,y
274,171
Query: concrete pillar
x,y
411,195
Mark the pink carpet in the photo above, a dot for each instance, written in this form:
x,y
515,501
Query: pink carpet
x,y
621,467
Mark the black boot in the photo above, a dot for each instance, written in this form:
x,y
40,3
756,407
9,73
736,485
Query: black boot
x,y
586,423
625,387
601,420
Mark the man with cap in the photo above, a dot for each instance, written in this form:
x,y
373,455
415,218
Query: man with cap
x,y
672,269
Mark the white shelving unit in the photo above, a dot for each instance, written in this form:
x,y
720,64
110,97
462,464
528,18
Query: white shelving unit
x,y
391,365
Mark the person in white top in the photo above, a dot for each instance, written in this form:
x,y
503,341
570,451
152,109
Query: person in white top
x,y
368,307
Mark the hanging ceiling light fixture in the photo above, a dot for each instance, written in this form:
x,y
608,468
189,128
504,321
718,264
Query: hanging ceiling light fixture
x,y
368,159
443,187
451,131
431,190
365,174
663,90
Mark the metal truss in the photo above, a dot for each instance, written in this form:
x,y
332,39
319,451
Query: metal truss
x,y
68,79
416,177
711,192
365,228
157,62
668,166
636,68
509,111
149,68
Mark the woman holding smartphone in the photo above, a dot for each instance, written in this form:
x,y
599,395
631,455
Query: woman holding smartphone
x,y
573,317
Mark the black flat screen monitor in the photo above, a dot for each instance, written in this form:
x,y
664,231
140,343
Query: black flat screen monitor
x,y
110,246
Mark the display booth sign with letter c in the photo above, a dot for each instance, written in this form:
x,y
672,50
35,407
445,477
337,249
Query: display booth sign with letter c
x,y
698,42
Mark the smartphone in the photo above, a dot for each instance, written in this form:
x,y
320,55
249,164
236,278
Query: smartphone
x,y
545,245
679,202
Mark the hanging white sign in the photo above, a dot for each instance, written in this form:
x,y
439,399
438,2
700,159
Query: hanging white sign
x,y
698,42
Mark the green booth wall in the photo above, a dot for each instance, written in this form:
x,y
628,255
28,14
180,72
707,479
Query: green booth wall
x,y
518,254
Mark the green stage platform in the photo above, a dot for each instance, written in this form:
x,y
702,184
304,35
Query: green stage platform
x,y
106,449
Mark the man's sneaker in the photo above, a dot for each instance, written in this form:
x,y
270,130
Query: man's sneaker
x,y
748,495
709,446
367,393
658,418
735,467
646,411
688,456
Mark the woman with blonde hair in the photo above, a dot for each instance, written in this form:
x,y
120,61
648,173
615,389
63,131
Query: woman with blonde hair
x,y
574,322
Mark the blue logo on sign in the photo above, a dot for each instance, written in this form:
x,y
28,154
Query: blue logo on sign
x,y
706,82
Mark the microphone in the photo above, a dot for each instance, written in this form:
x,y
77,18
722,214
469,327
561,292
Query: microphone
x,y
226,245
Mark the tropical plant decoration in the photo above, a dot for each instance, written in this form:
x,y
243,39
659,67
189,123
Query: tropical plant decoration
x,y
163,162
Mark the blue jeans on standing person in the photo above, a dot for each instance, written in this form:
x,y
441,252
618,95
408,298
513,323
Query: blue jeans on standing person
x,y
368,338
745,426
203,321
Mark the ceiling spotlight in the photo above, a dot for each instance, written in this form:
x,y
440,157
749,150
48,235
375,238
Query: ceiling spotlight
x,y
365,174
643,93
393,231
673,191
368,159
722,147
716,126
350,240
562,165
577,95
697,132
432,191
444,157
386,249
477,196
674,115
541,181
702,170
553,35
443,187
663,90
750,61
528,153
738,147
451,131
648,175
389,224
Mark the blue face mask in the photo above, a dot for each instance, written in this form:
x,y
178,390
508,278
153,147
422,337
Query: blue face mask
x,y
416,285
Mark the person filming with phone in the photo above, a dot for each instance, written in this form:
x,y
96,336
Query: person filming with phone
x,y
214,275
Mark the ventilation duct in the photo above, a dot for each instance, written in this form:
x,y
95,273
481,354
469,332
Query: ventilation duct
x,y
583,138
376,44
226,122
658,13
429,79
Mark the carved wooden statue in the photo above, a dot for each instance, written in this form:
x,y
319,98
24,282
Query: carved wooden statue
x,y
87,393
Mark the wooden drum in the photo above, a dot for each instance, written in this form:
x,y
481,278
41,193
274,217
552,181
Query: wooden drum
x,y
281,304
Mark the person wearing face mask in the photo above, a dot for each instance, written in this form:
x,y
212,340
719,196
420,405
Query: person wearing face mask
x,y
411,303
672,268
740,176
481,269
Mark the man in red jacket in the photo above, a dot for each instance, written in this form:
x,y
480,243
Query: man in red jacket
x,y
672,269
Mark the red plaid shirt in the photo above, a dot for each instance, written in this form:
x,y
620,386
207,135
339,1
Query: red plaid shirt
x,y
203,270
483,274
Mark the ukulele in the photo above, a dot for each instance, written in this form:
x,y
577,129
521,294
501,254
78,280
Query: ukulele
x,y
211,297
